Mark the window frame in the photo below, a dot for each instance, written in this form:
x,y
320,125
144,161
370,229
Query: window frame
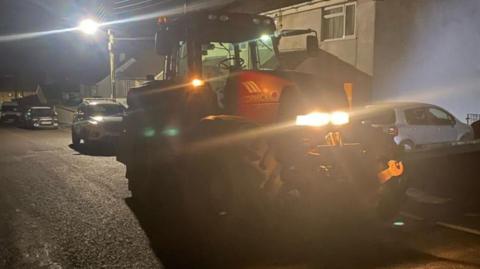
x,y
340,14
408,120
451,119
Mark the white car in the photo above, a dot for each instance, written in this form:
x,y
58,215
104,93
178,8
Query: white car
x,y
97,120
415,124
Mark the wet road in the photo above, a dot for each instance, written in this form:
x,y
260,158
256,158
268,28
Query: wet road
x,y
60,208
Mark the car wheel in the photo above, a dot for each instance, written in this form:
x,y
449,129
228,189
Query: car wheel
x,y
75,138
407,145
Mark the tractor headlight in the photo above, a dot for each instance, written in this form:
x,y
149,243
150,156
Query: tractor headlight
x,y
317,119
313,119
339,118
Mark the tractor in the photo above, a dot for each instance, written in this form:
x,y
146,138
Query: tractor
x,y
229,136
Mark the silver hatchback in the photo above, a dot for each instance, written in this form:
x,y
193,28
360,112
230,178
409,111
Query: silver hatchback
x,y
415,124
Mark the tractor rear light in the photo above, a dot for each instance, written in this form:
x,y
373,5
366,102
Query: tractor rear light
x,y
197,83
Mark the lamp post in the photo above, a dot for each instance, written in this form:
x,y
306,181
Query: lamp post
x,y
90,27
111,45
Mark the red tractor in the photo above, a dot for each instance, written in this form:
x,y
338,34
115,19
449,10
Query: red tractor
x,y
229,134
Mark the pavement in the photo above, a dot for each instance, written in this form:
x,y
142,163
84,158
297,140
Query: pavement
x,y
62,207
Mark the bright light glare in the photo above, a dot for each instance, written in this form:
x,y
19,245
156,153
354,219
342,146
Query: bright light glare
x,y
88,26
98,118
313,119
398,223
197,82
316,119
91,26
339,118
265,38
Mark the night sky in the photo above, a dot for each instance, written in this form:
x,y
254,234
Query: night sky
x,y
72,56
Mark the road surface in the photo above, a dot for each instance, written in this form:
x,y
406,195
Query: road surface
x,y
64,208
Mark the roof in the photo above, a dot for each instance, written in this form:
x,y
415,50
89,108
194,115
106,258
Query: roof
x,y
145,62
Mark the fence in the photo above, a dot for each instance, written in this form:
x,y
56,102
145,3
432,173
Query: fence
x,y
471,118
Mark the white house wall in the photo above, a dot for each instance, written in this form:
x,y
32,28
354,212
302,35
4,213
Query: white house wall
x,y
357,51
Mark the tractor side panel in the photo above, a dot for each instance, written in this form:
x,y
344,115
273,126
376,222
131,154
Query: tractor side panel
x,y
258,96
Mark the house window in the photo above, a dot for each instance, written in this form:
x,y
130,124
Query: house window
x,y
338,22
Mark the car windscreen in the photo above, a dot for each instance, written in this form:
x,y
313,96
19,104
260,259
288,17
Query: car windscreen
x,y
42,112
378,115
105,110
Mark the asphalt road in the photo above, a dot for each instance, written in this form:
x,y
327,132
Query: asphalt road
x,y
61,208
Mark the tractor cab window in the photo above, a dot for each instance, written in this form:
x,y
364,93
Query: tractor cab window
x,y
221,58
266,57
182,60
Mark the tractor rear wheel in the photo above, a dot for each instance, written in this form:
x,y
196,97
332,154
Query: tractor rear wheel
x,y
223,186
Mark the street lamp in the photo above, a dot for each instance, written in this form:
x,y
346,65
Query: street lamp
x,y
90,27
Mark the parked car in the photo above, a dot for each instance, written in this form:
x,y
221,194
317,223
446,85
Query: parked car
x,y
416,124
10,112
39,117
97,120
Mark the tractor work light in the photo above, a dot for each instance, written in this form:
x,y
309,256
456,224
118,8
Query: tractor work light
x,y
317,119
197,83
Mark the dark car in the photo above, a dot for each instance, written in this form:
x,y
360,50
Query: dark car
x,y
10,112
97,120
39,117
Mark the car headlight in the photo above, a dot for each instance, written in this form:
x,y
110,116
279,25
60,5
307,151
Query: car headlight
x,y
317,119
98,118
95,120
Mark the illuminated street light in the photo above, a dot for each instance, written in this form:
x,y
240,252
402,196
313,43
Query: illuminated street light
x,y
88,26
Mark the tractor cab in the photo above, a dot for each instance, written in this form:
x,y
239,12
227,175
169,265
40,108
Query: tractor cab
x,y
232,54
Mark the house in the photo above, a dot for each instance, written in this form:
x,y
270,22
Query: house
x,y
131,72
412,50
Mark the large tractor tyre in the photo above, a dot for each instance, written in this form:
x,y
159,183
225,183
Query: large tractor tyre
x,y
138,186
380,149
224,185
392,197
